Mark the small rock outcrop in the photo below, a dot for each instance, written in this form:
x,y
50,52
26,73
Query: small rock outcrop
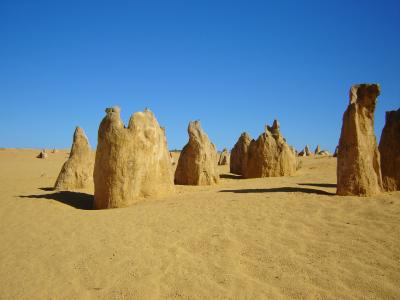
x,y
238,159
317,150
224,157
43,154
197,164
358,161
270,155
389,148
77,171
131,162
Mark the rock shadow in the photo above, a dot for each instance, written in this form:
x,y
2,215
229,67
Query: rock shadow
x,y
75,199
324,185
47,189
230,176
281,190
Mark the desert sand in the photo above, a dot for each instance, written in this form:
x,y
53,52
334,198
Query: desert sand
x,y
263,238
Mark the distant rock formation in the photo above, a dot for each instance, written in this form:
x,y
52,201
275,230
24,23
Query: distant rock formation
x,y
131,162
197,164
302,153
54,150
270,155
324,153
307,150
172,159
358,161
43,154
293,150
238,159
224,157
389,148
77,171
317,150
335,154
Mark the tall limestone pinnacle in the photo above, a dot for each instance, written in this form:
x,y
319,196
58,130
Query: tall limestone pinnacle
x,y
358,160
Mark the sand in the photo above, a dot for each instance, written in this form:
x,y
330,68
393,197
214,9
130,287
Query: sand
x,y
269,238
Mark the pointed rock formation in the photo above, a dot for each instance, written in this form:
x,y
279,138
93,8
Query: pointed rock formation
x,y
389,148
307,150
274,129
224,157
238,159
131,162
358,162
317,150
77,171
197,164
43,154
335,154
270,155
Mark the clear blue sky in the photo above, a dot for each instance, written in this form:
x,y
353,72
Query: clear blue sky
x,y
235,65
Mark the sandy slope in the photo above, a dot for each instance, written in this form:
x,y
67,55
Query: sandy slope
x,y
269,238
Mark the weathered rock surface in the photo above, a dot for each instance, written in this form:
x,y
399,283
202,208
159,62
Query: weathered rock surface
x,y
197,164
358,161
238,159
224,157
43,154
389,148
131,162
270,155
77,171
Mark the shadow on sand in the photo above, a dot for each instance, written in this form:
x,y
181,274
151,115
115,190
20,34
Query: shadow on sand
x,y
324,185
281,190
230,176
74,199
47,189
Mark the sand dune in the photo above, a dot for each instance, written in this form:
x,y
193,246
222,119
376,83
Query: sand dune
x,y
266,238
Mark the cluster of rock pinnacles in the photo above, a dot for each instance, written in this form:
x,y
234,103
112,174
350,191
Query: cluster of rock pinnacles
x,y
134,162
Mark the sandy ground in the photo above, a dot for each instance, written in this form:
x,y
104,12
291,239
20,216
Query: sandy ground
x,y
270,238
